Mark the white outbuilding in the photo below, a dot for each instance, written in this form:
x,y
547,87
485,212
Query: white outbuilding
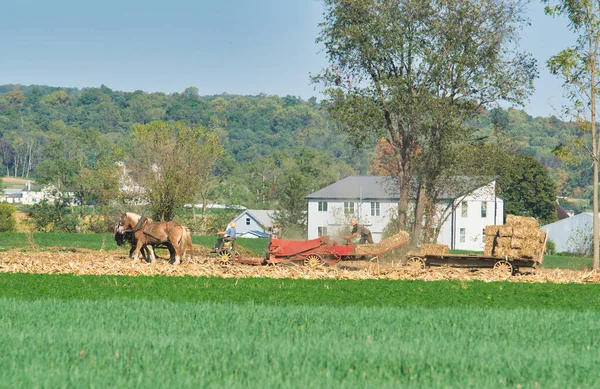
x,y
573,234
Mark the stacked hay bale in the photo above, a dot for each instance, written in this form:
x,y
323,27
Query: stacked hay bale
x,y
400,239
434,249
520,237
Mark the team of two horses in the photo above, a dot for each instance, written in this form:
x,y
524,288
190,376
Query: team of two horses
x,y
144,235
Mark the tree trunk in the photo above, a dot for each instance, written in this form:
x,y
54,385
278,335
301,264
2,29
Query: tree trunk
x,y
595,148
404,191
415,238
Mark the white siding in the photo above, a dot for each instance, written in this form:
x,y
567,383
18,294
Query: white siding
x,y
338,222
473,224
569,234
242,227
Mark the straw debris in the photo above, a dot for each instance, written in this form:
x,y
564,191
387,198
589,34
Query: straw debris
x,y
394,241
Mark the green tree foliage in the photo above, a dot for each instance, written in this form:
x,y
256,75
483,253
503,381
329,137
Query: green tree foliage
x,y
413,71
51,139
172,163
8,223
522,181
54,215
528,190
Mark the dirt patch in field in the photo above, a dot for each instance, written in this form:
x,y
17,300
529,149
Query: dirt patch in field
x,y
117,263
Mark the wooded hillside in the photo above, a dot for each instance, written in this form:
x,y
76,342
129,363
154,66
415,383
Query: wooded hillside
x,y
273,143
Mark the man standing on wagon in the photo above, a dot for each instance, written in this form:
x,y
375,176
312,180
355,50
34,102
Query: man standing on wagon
x,y
365,233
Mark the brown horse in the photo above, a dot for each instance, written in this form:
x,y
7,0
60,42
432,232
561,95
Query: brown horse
x,y
128,237
146,232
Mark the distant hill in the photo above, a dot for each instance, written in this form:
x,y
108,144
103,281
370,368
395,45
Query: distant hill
x,y
35,119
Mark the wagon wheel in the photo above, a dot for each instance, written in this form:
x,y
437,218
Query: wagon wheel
x,y
225,258
313,261
503,268
416,263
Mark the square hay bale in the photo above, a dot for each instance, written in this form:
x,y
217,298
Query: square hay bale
x,y
489,240
488,250
504,242
507,252
435,249
505,230
530,222
529,252
516,243
541,236
491,230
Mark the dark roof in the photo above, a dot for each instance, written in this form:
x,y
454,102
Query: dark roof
x,y
385,188
561,212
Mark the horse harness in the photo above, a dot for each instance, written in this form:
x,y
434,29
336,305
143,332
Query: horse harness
x,y
140,225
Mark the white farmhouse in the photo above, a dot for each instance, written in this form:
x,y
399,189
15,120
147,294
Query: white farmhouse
x,y
373,201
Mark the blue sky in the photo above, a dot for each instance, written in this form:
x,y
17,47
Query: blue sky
x,y
233,46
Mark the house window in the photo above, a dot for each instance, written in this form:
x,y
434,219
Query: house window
x,y
463,209
323,206
247,221
322,231
483,208
348,207
483,235
375,208
463,235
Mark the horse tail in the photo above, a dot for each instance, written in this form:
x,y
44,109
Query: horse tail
x,y
185,242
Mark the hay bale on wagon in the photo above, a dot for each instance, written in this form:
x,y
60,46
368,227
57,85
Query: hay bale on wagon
x,y
519,238
434,249
529,222
505,231
491,230
394,241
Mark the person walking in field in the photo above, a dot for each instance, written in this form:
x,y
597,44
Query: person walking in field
x,y
360,229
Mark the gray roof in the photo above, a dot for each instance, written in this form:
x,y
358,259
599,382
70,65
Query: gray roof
x,y
385,188
263,217
359,187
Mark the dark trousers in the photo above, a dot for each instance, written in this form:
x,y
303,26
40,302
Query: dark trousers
x,y
366,239
221,240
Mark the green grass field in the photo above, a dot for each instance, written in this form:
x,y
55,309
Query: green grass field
x,y
65,241
111,331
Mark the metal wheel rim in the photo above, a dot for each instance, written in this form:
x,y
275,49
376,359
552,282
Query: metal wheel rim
x,y
225,258
313,261
416,263
503,267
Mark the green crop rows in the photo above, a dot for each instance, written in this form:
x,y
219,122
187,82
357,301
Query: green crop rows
x,y
110,331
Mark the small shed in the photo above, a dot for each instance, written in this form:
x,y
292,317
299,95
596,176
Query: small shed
x,y
254,223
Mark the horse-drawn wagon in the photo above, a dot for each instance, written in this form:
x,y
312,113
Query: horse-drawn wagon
x,y
322,250
509,248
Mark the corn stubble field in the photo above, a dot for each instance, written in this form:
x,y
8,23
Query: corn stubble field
x,y
81,317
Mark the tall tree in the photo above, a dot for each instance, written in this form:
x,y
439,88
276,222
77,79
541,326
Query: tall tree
x,y
578,67
412,71
171,163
